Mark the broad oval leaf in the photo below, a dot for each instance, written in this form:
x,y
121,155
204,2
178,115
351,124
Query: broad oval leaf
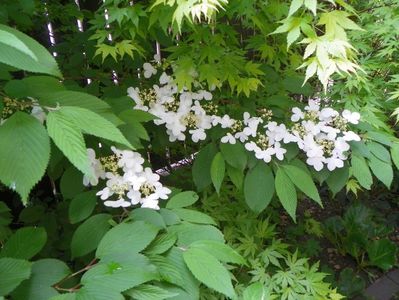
x,y
24,153
382,253
13,272
182,199
208,270
361,171
82,206
382,170
235,155
259,187
218,169
219,250
286,192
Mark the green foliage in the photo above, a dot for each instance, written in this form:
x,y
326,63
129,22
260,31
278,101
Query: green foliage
x,y
217,171
285,190
13,271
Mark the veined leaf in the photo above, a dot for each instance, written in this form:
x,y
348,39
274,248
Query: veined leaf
x,y
286,192
207,269
219,250
382,170
361,171
218,169
13,272
24,153
182,199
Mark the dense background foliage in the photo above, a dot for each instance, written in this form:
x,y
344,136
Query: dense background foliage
x,y
234,226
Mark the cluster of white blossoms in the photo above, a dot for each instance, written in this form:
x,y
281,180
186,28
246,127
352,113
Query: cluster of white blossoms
x,y
321,133
128,183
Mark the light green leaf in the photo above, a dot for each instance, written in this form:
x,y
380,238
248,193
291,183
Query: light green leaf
x,y
13,272
379,151
45,273
286,192
31,57
295,5
217,171
24,153
219,250
127,238
161,244
94,124
208,270
82,206
361,171
148,215
305,184
25,243
188,233
235,155
382,170
257,291
202,166
311,5
236,176
69,139
338,179
89,234
395,154
149,292
382,253
259,187
183,199
193,216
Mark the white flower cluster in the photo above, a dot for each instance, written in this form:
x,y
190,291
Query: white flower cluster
x,y
322,134
179,111
126,180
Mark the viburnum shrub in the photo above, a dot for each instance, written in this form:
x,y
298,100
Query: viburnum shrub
x,y
246,108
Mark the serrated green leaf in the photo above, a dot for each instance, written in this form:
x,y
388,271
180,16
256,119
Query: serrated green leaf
x,y
235,155
259,187
188,233
382,170
257,291
127,238
219,250
202,167
208,270
338,179
148,215
45,273
361,171
82,206
161,244
285,190
382,253
25,243
379,151
217,171
94,124
182,199
88,235
24,153
13,272
236,176
31,57
295,5
303,182
395,154
168,272
193,216
149,292
69,139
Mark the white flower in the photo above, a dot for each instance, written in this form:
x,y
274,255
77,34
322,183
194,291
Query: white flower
x,y
134,94
327,114
149,70
313,105
334,162
129,160
96,168
228,138
164,79
276,133
252,127
351,136
197,134
316,162
117,203
278,151
241,136
226,121
38,113
265,155
297,114
351,117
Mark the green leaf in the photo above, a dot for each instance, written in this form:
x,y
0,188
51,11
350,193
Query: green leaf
x,y
361,171
202,166
382,253
82,206
13,272
128,238
382,170
88,235
149,292
235,155
119,273
193,216
217,171
311,5
379,151
94,124
69,139
395,154
219,250
236,176
295,5
162,243
148,215
45,273
168,272
25,243
69,188
303,181
183,199
338,179
256,291
188,233
20,51
259,187
33,86
286,192
208,270
136,115
24,153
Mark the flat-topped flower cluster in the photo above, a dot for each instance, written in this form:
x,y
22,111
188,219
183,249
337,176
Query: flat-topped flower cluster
x,y
128,183
322,133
